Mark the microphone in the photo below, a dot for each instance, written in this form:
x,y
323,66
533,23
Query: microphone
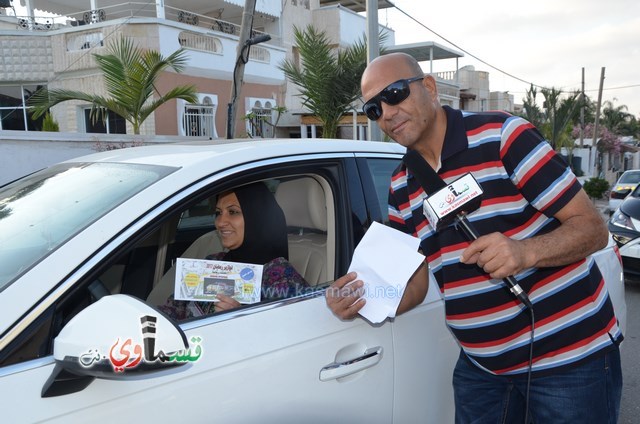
x,y
450,203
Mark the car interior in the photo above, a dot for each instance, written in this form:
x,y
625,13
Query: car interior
x,y
147,270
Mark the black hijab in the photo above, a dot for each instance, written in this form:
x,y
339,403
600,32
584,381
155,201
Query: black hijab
x,y
265,228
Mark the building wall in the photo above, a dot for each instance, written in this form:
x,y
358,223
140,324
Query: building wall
x,y
475,83
25,58
166,122
500,100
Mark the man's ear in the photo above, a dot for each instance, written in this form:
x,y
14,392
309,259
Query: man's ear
x,y
430,84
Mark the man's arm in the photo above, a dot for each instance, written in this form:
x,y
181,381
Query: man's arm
x,y
344,295
581,232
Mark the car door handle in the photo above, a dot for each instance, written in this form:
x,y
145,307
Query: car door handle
x,y
341,369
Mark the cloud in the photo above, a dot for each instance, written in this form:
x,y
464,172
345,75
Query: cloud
x,y
545,42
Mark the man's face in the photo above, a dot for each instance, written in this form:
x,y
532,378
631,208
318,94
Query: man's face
x,y
406,122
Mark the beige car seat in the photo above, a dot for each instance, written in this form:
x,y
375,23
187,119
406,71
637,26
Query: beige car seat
x,y
305,208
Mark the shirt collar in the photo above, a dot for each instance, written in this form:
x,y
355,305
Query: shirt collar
x,y
455,139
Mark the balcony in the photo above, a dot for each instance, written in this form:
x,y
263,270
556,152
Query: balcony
x,y
62,44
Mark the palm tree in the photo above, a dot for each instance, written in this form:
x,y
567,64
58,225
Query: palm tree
x,y
531,111
560,112
130,75
329,81
556,115
618,120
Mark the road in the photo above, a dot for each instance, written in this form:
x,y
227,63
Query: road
x,y
630,407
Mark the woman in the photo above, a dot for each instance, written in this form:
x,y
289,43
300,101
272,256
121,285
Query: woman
x,y
253,229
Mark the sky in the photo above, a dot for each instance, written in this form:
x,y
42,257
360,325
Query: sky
x,y
544,42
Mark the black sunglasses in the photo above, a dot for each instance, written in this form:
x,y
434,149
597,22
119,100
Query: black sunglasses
x,y
392,94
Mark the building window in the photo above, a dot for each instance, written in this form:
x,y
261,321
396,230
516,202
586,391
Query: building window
x,y
260,118
14,114
114,124
198,120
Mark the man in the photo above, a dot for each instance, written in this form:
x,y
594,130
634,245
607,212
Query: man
x,y
535,223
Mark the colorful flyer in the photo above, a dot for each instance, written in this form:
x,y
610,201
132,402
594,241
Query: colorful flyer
x,y
203,280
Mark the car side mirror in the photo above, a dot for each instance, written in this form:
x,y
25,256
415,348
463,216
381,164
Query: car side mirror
x,y
116,337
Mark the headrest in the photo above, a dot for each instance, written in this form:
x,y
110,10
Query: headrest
x,y
303,203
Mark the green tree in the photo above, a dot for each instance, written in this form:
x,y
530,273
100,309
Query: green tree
x,y
530,109
559,113
328,78
555,118
618,120
130,75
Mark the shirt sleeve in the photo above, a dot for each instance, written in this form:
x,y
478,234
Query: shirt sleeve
x,y
398,207
539,173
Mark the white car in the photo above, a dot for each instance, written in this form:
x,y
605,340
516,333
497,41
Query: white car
x,y
621,189
87,250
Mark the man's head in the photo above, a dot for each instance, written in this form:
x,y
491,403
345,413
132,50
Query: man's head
x,y
400,98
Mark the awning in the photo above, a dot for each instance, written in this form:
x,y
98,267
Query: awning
x,y
268,7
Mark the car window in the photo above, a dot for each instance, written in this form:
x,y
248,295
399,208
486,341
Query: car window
x,y
630,178
303,201
79,193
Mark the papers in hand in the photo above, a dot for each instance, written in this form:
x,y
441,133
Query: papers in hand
x,y
202,280
384,259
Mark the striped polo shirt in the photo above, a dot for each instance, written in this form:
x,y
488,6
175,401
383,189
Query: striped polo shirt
x,y
525,183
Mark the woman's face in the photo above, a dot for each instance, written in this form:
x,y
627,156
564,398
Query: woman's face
x,y
229,221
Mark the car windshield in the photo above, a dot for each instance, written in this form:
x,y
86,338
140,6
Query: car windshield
x,y
630,178
40,212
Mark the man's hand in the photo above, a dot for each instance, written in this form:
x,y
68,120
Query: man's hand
x,y
344,296
581,232
497,254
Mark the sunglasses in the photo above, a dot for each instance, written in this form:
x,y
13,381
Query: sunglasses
x,y
393,94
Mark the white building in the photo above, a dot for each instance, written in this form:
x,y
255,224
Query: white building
x,y
57,52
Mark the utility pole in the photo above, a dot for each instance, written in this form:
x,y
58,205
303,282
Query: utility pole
x,y
373,51
595,129
241,60
582,112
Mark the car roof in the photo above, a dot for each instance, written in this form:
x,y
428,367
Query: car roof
x,y
221,153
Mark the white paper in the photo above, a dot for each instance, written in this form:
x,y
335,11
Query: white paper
x,y
384,260
202,280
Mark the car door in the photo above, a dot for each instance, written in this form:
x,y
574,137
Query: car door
x,y
425,352
285,361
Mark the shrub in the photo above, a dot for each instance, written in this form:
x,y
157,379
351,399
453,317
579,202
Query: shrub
x,y
50,124
596,187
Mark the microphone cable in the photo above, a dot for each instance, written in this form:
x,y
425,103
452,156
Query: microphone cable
x,y
463,223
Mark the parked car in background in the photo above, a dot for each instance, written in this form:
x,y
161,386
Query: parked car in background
x,y
87,248
626,183
624,224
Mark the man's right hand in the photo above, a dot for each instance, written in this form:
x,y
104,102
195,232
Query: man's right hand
x,y
344,296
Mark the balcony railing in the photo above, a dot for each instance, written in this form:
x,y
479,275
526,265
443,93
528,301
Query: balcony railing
x,y
126,11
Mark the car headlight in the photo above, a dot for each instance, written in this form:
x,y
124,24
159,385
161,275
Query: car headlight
x,y
622,220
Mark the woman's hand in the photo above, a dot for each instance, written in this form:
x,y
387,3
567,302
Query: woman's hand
x,y
225,303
